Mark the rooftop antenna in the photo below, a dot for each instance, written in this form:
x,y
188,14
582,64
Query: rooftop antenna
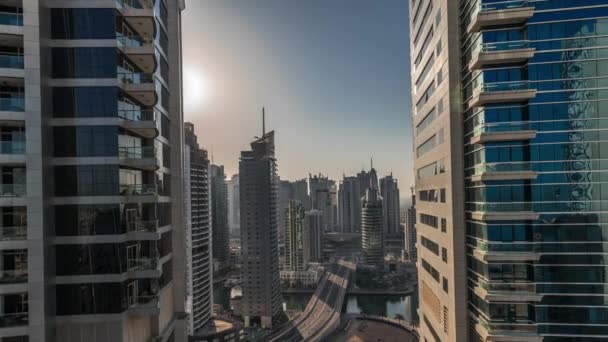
x,y
263,122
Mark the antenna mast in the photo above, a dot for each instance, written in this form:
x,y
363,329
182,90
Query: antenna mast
x,y
263,122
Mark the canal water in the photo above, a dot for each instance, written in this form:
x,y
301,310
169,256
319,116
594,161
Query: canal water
x,y
380,305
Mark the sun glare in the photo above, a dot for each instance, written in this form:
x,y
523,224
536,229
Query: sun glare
x,y
196,89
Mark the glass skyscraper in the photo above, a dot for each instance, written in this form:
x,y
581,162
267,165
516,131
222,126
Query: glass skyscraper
x,y
522,86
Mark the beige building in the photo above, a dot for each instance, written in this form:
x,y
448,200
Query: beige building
x,y
438,152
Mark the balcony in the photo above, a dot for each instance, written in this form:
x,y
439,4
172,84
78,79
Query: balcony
x,y
499,132
502,211
499,14
518,330
492,252
12,190
503,171
141,122
11,60
9,320
11,23
136,191
140,86
490,54
506,92
144,305
13,276
13,233
507,292
136,46
142,226
12,102
142,264
139,157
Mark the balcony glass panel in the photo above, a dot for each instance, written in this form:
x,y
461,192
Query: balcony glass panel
x,y
137,114
11,61
13,276
138,189
136,77
13,319
12,190
13,19
13,233
136,152
12,102
12,147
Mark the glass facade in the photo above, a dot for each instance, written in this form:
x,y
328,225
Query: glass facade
x,y
535,229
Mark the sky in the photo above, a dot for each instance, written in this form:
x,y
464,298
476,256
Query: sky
x,y
333,76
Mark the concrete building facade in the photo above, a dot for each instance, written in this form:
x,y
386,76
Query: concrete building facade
x,y
294,237
313,236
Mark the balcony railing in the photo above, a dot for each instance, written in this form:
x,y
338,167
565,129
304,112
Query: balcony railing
x,y
13,319
13,233
13,19
136,152
12,190
517,325
131,41
500,206
142,264
507,287
143,301
137,4
138,189
502,167
142,226
505,46
136,77
502,87
11,61
12,147
137,115
504,5
12,102
13,276
501,127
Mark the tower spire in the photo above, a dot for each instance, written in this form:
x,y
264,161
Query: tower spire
x,y
263,122
371,163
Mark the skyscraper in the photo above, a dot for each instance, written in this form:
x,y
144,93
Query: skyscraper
x,y
508,106
294,237
198,227
260,271
390,206
322,195
409,231
372,234
219,217
349,205
92,162
234,209
313,236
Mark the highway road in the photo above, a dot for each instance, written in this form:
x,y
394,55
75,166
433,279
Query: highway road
x,y
322,313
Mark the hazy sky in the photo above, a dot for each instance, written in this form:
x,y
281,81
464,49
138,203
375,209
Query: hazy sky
x,y
333,75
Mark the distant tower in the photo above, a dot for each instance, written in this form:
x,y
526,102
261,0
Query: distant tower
x,y
219,217
234,206
313,236
372,237
294,237
389,190
349,205
260,270
323,198
409,230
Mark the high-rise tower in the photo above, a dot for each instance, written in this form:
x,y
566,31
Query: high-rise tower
x,y
294,237
349,205
219,217
508,111
389,191
198,227
372,234
259,214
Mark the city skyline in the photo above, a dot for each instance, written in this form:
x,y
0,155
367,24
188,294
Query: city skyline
x,y
243,57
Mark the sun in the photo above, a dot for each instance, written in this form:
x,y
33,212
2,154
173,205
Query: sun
x,y
196,89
